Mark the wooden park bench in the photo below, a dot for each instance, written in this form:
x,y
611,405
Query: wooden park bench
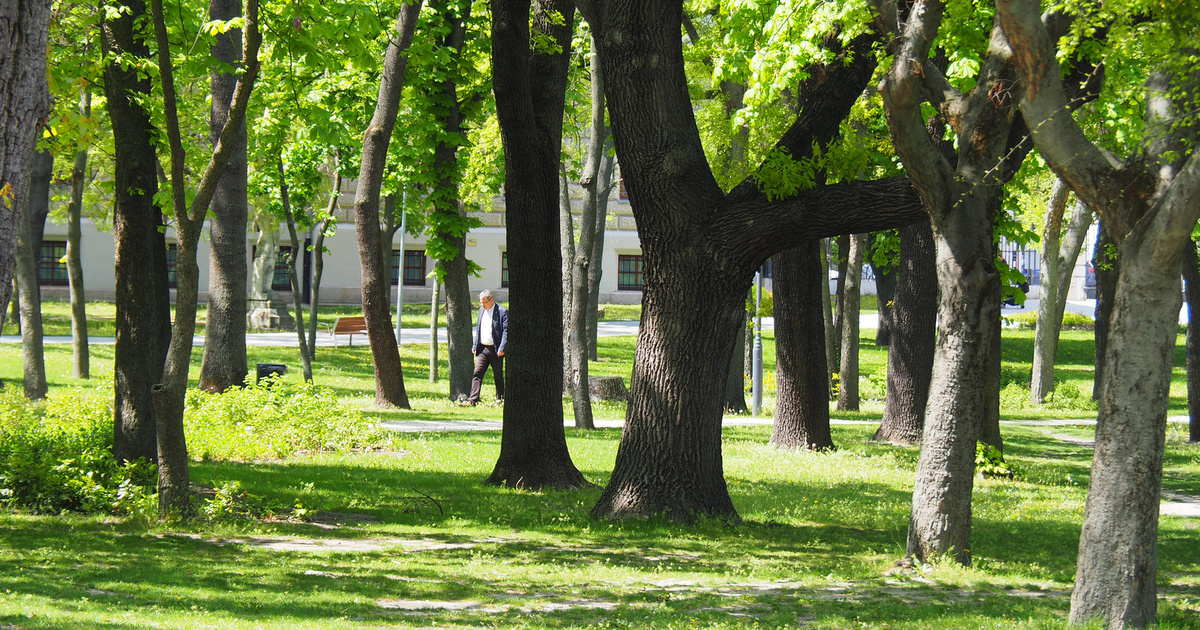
x,y
348,326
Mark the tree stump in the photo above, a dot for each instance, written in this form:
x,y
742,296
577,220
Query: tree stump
x,y
607,388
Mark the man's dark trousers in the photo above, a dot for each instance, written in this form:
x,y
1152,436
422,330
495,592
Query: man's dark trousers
x,y
487,357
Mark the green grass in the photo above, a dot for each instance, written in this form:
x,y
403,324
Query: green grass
x,y
821,534
817,549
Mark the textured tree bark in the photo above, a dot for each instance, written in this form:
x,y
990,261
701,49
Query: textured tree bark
x,y
376,286
80,359
24,105
566,231
29,245
1191,284
143,320
530,90
827,305
596,271
910,355
851,299
224,360
802,405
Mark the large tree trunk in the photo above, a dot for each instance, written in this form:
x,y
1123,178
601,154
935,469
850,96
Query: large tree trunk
x,y
910,354
143,320
29,245
24,105
735,383
80,363
802,405
851,300
530,90
224,360
1149,206
1116,575
1191,285
701,246
376,286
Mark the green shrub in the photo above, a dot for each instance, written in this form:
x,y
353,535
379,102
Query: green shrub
x,y
57,456
989,462
1028,321
274,419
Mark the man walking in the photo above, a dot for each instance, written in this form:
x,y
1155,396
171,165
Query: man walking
x,y
489,339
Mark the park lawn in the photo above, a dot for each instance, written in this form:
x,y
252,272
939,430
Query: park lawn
x,y
817,548
425,544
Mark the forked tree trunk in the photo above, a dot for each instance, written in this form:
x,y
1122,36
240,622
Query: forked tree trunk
x,y
910,354
802,405
851,299
319,262
143,319
1058,261
530,90
376,286
223,364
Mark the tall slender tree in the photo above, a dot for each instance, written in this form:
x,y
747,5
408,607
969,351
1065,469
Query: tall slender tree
x,y
389,377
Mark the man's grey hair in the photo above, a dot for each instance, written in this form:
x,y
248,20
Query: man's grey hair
x,y
485,295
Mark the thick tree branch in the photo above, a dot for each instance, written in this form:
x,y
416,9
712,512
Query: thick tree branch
x,y
1045,107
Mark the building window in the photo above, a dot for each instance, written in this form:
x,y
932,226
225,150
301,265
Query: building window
x,y
52,264
172,256
630,273
503,270
414,267
282,280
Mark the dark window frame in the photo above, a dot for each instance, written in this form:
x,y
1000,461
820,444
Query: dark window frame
x,y
631,279
51,267
504,269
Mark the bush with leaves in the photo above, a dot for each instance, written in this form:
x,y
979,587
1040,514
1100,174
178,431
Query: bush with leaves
x,y
57,456
273,419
